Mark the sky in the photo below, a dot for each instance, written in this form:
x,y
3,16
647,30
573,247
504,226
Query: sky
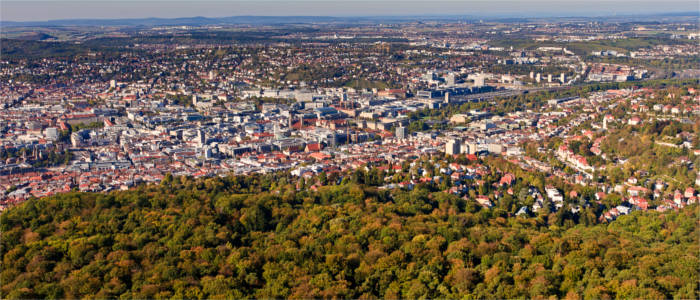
x,y
34,10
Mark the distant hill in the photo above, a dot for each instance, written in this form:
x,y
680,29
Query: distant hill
x,y
36,47
35,36
271,20
193,21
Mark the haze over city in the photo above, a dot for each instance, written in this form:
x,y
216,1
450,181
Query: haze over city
x,y
31,10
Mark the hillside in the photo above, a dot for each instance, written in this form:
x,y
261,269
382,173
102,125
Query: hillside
x,y
258,236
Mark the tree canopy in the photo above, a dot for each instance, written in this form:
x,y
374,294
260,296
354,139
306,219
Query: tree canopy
x,y
258,236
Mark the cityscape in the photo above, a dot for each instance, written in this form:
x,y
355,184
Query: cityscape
x,y
368,157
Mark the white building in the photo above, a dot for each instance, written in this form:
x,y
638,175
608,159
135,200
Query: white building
x,y
452,147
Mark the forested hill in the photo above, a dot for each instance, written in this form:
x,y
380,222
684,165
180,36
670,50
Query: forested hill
x,y
259,237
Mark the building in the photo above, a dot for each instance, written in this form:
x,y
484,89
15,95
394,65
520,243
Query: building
x,y
201,138
450,79
470,148
51,133
77,138
459,119
322,112
495,148
452,147
634,121
401,132
479,80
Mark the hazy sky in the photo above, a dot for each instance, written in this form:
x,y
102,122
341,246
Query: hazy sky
x,y
32,10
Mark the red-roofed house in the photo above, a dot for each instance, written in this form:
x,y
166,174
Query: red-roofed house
x,y
313,147
320,155
507,179
689,192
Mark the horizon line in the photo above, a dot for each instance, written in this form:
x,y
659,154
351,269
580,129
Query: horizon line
x,y
678,13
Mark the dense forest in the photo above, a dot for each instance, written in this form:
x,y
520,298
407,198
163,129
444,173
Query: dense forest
x,y
266,236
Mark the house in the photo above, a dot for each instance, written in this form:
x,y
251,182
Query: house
x,y
619,188
642,203
689,192
455,167
484,201
634,121
551,192
573,194
320,156
522,211
660,185
637,191
313,147
507,179
623,210
677,197
599,196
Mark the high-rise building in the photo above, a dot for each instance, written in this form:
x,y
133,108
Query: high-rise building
x,y
538,77
549,78
279,134
401,132
471,148
464,148
201,138
562,78
452,147
447,97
